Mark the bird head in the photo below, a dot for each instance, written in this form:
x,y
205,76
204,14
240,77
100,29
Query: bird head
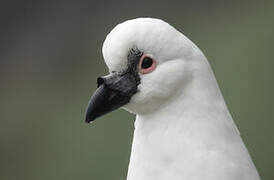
x,y
149,63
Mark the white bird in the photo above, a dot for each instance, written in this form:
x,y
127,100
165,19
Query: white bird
x,y
183,129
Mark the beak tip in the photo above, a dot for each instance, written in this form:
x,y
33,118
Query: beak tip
x,y
89,120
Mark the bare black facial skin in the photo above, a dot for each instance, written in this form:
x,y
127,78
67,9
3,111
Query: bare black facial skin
x,y
115,89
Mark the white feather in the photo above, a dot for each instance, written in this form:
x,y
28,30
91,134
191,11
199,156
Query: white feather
x,y
183,129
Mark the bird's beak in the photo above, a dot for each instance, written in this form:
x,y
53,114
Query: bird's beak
x,y
113,91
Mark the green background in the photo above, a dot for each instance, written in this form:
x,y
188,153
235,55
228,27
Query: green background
x,y
50,56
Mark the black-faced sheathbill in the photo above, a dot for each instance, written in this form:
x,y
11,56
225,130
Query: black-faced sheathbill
x,y
183,129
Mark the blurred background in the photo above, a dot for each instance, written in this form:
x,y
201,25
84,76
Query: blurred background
x,y
50,56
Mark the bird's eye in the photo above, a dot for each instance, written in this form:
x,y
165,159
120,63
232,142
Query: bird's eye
x,y
147,64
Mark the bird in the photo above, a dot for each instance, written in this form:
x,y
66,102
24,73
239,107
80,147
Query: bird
x,y
183,129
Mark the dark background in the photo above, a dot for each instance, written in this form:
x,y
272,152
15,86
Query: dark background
x,y
50,56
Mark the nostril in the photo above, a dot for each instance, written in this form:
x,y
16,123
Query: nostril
x,y
100,81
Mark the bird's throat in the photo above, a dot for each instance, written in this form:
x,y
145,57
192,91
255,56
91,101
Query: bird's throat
x,y
176,137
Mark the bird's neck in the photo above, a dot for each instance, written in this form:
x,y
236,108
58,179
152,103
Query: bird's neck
x,y
175,134
197,102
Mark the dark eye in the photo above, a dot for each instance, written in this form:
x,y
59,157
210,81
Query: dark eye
x,y
147,63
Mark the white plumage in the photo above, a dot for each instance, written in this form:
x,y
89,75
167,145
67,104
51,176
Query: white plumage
x,y
183,129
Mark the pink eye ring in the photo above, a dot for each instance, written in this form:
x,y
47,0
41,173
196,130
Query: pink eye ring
x,y
146,64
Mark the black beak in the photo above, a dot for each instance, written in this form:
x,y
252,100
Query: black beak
x,y
113,91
